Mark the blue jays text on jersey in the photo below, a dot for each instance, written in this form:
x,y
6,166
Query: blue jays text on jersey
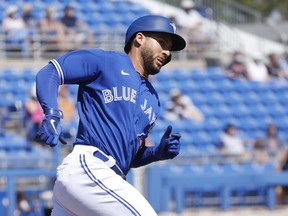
x,y
125,93
116,106
130,95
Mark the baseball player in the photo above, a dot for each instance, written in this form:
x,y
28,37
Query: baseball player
x,y
117,108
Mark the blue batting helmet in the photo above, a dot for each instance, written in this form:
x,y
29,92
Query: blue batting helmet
x,y
154,23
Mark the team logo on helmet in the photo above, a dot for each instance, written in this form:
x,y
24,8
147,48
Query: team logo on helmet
x,y
174,27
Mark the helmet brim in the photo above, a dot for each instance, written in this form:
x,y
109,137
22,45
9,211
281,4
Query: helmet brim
x,y
178,42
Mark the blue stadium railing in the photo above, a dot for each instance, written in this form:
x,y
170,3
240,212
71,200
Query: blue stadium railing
x,y
26,167
171,183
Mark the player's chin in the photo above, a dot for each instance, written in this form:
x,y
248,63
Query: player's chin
x,y
155,70
158,66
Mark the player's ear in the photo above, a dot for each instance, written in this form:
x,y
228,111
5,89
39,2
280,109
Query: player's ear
x,y
138,40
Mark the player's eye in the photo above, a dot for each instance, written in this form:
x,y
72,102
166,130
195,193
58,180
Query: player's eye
x,y
164,41
164,44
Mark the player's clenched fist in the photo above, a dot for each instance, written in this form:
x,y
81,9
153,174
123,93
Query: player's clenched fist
x,y
169,146
50,131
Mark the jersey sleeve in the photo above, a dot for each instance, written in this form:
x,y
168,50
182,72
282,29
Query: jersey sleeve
x,y
144,156
79,66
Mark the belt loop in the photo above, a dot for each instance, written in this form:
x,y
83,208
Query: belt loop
x,y
111,161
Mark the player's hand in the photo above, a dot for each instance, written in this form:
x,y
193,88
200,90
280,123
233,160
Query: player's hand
x,y
169,146
51,131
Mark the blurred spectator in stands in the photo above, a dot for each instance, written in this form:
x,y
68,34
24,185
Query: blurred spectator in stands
x,y
204,11
282,191
284,62
52,31
34,114
68,106
233,144
194,26
237,67
31,23
25,206
256,69
274,17
29,19
275,69
12,21
16,31
181,106
191,18
270,148
76,30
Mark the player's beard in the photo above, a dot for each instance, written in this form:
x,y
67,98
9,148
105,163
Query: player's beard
x,y
149,61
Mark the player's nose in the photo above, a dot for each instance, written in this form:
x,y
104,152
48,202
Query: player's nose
x,y
166,52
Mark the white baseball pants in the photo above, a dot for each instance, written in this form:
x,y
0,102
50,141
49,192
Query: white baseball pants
x,y
86,186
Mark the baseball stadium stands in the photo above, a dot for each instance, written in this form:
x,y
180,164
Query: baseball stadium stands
x,y
249,105
202,176
102,18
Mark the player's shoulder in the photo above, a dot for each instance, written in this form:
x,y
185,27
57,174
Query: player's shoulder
x,y
99,55
106,53
117,55
87,51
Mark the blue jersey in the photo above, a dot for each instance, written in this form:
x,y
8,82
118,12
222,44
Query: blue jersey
x,y
116,106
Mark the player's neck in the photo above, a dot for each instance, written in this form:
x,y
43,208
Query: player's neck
x,y
137,63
